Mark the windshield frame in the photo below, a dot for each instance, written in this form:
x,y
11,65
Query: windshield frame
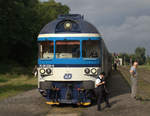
x,y
71,39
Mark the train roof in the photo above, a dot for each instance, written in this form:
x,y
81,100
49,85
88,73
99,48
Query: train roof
x,y
77,22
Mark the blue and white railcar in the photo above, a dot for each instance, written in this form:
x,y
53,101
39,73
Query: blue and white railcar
x,y
71,55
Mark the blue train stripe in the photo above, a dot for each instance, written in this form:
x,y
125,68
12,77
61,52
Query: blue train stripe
x,y
71,62
64,61
75,65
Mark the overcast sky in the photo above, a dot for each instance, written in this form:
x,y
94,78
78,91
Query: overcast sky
x,y
125,24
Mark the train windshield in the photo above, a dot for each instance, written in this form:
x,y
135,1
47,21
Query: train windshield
x,y
67,49
91,49
46,50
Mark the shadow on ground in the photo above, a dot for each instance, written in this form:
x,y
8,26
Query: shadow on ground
x,y
117,84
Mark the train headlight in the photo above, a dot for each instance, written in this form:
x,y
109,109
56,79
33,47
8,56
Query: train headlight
x,y
48,71
94,71
87,71
42,71
67,25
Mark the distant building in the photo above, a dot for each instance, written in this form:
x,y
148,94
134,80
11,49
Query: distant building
x,y
120,61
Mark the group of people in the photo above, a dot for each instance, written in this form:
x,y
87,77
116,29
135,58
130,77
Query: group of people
x,y
102,92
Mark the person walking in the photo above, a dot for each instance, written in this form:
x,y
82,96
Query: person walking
x,y
133,73
101,91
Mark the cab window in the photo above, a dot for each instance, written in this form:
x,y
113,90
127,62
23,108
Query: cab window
x,y
91,49
67,49
46,49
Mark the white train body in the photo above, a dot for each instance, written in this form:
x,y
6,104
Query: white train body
x,y
68,74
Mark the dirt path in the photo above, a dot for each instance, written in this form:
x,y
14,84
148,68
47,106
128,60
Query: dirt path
x,y
29,103
32,104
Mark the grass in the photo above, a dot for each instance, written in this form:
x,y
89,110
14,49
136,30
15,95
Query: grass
x,y
143,81
15,80
147,67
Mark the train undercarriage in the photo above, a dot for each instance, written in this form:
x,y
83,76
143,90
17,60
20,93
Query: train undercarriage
x,y
80,93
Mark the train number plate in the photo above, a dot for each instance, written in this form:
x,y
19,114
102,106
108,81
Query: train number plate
x,y
68,76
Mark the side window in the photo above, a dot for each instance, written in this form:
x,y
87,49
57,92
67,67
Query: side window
x,y
91,49
46,50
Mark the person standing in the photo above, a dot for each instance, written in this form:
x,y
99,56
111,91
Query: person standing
x,y
133,73
115,66
101,91
35,71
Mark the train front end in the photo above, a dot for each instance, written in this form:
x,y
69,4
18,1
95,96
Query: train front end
x,y
69,60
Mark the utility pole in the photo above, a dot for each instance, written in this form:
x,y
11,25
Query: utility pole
x,y
130,61
124,60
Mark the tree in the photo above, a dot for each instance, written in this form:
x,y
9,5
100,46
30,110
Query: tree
x,y
140,55
126,58
20,23
48,11
148,60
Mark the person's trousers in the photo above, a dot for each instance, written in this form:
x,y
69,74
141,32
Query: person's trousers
x,y
133,87
102,95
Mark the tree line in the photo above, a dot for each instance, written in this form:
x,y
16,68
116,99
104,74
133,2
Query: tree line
x,y
138,55
20,24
